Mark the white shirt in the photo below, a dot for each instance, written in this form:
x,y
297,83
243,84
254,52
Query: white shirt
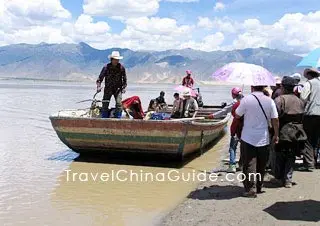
x,y
305,91
255,129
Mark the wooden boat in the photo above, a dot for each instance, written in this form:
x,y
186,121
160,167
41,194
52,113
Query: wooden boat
x,y
178,137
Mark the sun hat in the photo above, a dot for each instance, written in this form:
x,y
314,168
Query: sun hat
x,y
312,70
186,93
115,55
296,76
288,81
188,72
278,80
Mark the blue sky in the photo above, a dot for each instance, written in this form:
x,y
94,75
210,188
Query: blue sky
x,y
289,25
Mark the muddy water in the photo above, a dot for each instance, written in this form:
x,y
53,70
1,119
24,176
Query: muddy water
x,y
35,165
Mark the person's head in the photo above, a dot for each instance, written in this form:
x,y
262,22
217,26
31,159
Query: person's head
x,y
188,73
267,92
311,73
236,92
115,58
153,104
296,77
288,83
187,94
278,83
135,106
257,88
176,96
162,94
114,62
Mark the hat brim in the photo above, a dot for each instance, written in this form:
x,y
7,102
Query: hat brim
x,y
116,57
306,71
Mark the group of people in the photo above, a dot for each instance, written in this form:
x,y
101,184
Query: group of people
x,y
275,126
114,75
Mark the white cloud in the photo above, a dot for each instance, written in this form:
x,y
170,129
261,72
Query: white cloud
x,y
121,9
84,26
32,21
219,6
47,21
158,26
209,43
225,24
154,33
205,22
35,35
296,33
37,10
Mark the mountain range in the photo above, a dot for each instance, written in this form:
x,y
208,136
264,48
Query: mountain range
x,y
83,62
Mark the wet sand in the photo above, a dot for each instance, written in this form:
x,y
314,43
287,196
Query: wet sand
x,y
220,203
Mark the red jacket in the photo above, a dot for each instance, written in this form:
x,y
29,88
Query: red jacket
x,y
187,82
129,102
237,124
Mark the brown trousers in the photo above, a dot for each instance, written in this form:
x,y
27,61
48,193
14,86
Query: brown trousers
x,y
254,165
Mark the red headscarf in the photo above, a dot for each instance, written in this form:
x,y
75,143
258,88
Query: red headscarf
x,y
129,102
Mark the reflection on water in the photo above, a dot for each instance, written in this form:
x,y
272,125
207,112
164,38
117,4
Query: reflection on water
x,y
34,163
128,203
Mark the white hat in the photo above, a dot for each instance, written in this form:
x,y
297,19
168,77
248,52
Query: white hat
x,y
115,55
278,80
186,93
296,76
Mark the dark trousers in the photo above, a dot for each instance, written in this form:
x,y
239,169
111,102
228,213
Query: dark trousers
x,y
176,114
311,124
285,160
254,165
308,154
107,97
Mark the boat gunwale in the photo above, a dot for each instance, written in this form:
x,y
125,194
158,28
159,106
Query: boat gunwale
x,y
222,120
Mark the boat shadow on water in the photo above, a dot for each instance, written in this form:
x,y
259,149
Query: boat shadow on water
x,y
133,158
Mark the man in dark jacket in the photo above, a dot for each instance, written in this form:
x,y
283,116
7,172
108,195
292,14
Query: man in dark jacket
x,y
115,78
277,91
292,137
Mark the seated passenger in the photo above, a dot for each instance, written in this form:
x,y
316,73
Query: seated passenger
x,y
177,106
153,105
161,101
190,106
132,106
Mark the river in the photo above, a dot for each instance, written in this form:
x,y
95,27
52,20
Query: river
x,y
34,164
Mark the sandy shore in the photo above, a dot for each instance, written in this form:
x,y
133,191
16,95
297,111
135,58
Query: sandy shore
x,y
220,203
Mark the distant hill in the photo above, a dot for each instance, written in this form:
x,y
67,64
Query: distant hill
x,y
82,62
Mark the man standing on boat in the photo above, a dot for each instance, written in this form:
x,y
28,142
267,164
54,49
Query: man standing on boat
x,y
188,81
115,78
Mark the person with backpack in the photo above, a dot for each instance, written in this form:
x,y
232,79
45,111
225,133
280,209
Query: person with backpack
x,y
292,137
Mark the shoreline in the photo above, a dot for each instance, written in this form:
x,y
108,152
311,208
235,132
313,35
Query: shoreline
x,y
221,203
203,83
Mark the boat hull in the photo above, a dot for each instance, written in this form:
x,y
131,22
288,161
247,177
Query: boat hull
x,y
110,135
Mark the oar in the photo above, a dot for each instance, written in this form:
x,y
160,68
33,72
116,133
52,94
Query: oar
x,y
103,101
84,101
187,119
